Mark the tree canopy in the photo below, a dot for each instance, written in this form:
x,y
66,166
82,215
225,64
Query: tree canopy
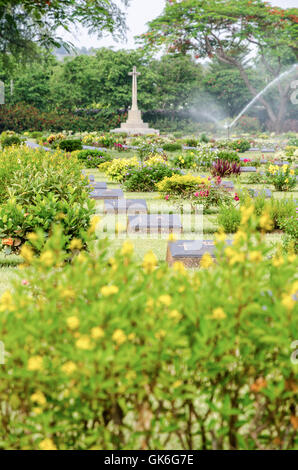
x,y
26,24
232,32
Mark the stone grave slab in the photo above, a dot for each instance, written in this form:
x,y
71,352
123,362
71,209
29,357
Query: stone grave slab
x,y
91,178
281,163
190,252
154,223
125,206
228,185
102,194
98,185
248,169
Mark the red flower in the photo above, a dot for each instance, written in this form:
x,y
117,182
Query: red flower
x,y
236,197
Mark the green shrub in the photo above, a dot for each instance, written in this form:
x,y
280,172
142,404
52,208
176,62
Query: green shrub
x,y
70,145
108,354
172,147
36,134
145,177
37,189
187,160
229,218
191,142
228,155
240,145
283,178
92,158
9,140
293,142
290,226
196,190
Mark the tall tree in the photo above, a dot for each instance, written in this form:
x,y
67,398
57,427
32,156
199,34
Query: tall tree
x,y
228,30
27,23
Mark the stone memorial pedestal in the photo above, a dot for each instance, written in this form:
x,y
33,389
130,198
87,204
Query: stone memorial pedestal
x,y
134,123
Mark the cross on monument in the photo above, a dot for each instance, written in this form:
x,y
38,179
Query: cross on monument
x,y
134,74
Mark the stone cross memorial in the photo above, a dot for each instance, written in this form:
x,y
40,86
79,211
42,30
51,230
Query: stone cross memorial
x,y
134,123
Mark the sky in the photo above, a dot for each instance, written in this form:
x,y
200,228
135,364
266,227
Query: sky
x,y
138,14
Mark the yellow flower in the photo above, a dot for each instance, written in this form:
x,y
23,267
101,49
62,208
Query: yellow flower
x,y
32,236
84,343
237,258
292,172
97,332
218,314
73,322
294,288
76,244
266,222
172,237
119,337
179,267
149,262
47,258
165,300
239,236
175,315
68,293
35,363
131,375
38,397
246,213
95,220
6,302
37,410
286,180
109,290
131,336
47,444
81,258
69,367
177,383
288,302
127,248
220,236
206,261
277,261
256,256
27,253
160,334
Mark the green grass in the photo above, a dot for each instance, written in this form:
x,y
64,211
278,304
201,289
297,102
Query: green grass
x,y
8,265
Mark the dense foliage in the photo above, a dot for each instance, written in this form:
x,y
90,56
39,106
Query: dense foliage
x,y
209,369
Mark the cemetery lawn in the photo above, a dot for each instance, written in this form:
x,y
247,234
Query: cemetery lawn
x,y
8,265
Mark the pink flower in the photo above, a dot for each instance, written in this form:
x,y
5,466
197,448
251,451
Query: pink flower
x,y
167,197
236,197
197,194
246,160
25,282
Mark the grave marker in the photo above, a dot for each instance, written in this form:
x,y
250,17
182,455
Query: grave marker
x,y
101,194
190,252
154,223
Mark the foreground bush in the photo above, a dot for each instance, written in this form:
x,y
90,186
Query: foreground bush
x,y
108,354
7,140
38,189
